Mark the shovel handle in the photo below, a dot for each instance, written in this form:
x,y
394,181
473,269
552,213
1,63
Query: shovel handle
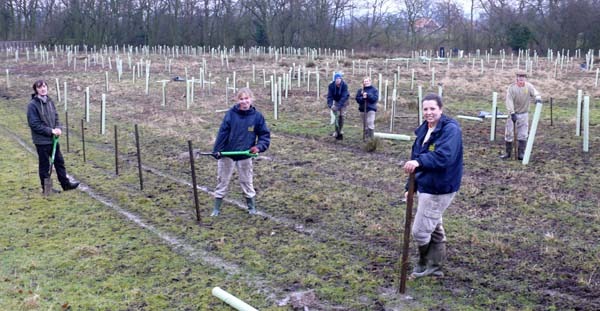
x,y
234,153
54,143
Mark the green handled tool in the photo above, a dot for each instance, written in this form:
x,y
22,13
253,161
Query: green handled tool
x,y
48,181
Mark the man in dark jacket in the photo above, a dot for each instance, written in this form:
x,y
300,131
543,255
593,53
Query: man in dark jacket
x,y
437,161
243,128
42,118
368,95
337,99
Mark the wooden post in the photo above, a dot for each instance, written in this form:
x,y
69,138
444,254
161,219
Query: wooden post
x,y
139,157
194,185
83,139
116,152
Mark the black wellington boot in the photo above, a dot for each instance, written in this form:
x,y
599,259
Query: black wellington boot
x,y
508,152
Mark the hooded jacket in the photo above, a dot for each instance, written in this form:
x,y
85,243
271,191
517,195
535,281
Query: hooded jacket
x,y
372,98
440,159
42,119
241,130
338,94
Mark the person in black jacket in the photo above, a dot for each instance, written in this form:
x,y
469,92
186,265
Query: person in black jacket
x,y
437,161
42,118
243,128
337,99
370,95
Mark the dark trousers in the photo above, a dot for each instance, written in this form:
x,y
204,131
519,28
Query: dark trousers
x,y
44,153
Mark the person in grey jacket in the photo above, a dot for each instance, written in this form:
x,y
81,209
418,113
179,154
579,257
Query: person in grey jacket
x,y
42,118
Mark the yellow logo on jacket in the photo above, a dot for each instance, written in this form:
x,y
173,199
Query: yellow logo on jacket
x,y
431,147
251,128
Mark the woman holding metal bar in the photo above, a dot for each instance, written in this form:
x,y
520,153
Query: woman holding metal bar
x,y
243,128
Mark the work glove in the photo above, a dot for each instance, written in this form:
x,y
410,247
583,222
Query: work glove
x,y
216,155
538,98
254,149
513,117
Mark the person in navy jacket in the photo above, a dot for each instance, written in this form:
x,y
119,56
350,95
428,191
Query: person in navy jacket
x,y
337,100
437,161
368,95
243,128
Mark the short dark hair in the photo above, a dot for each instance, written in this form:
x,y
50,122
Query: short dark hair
x,y
37,84
433,96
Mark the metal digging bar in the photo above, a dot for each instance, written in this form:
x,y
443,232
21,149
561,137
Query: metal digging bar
x,y
230,153
407,233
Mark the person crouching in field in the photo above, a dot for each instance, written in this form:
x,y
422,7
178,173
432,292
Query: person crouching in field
x,y
368,95
437,161
243,128
42,118
337,99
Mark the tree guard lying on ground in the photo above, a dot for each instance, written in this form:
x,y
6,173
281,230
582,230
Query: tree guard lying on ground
x,y
392,136
231,300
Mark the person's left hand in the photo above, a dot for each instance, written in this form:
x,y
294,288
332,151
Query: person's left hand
x,y
254,149
56,132
364,94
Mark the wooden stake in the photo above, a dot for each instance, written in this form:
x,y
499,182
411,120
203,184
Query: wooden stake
x,y
139,157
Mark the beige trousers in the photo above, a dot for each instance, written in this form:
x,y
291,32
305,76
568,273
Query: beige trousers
x,y
225,168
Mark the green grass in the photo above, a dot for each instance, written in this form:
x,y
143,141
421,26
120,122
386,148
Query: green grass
x,y
519,237
70,250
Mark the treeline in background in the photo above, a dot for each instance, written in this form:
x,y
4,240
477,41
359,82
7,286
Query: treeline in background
x,y
377,25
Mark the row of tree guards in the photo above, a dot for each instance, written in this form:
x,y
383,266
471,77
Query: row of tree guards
x,y
582,120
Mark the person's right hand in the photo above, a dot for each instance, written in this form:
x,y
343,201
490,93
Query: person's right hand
x,y
410,166
216,155
56,132
513,117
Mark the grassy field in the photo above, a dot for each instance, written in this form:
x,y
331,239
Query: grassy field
x,y
331,217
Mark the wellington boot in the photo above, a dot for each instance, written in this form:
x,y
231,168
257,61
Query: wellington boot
x,y
521,149
508,152
217,209
422,263
251,205
436,255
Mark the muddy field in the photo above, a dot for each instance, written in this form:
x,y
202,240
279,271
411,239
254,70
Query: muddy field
x,y
520,237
